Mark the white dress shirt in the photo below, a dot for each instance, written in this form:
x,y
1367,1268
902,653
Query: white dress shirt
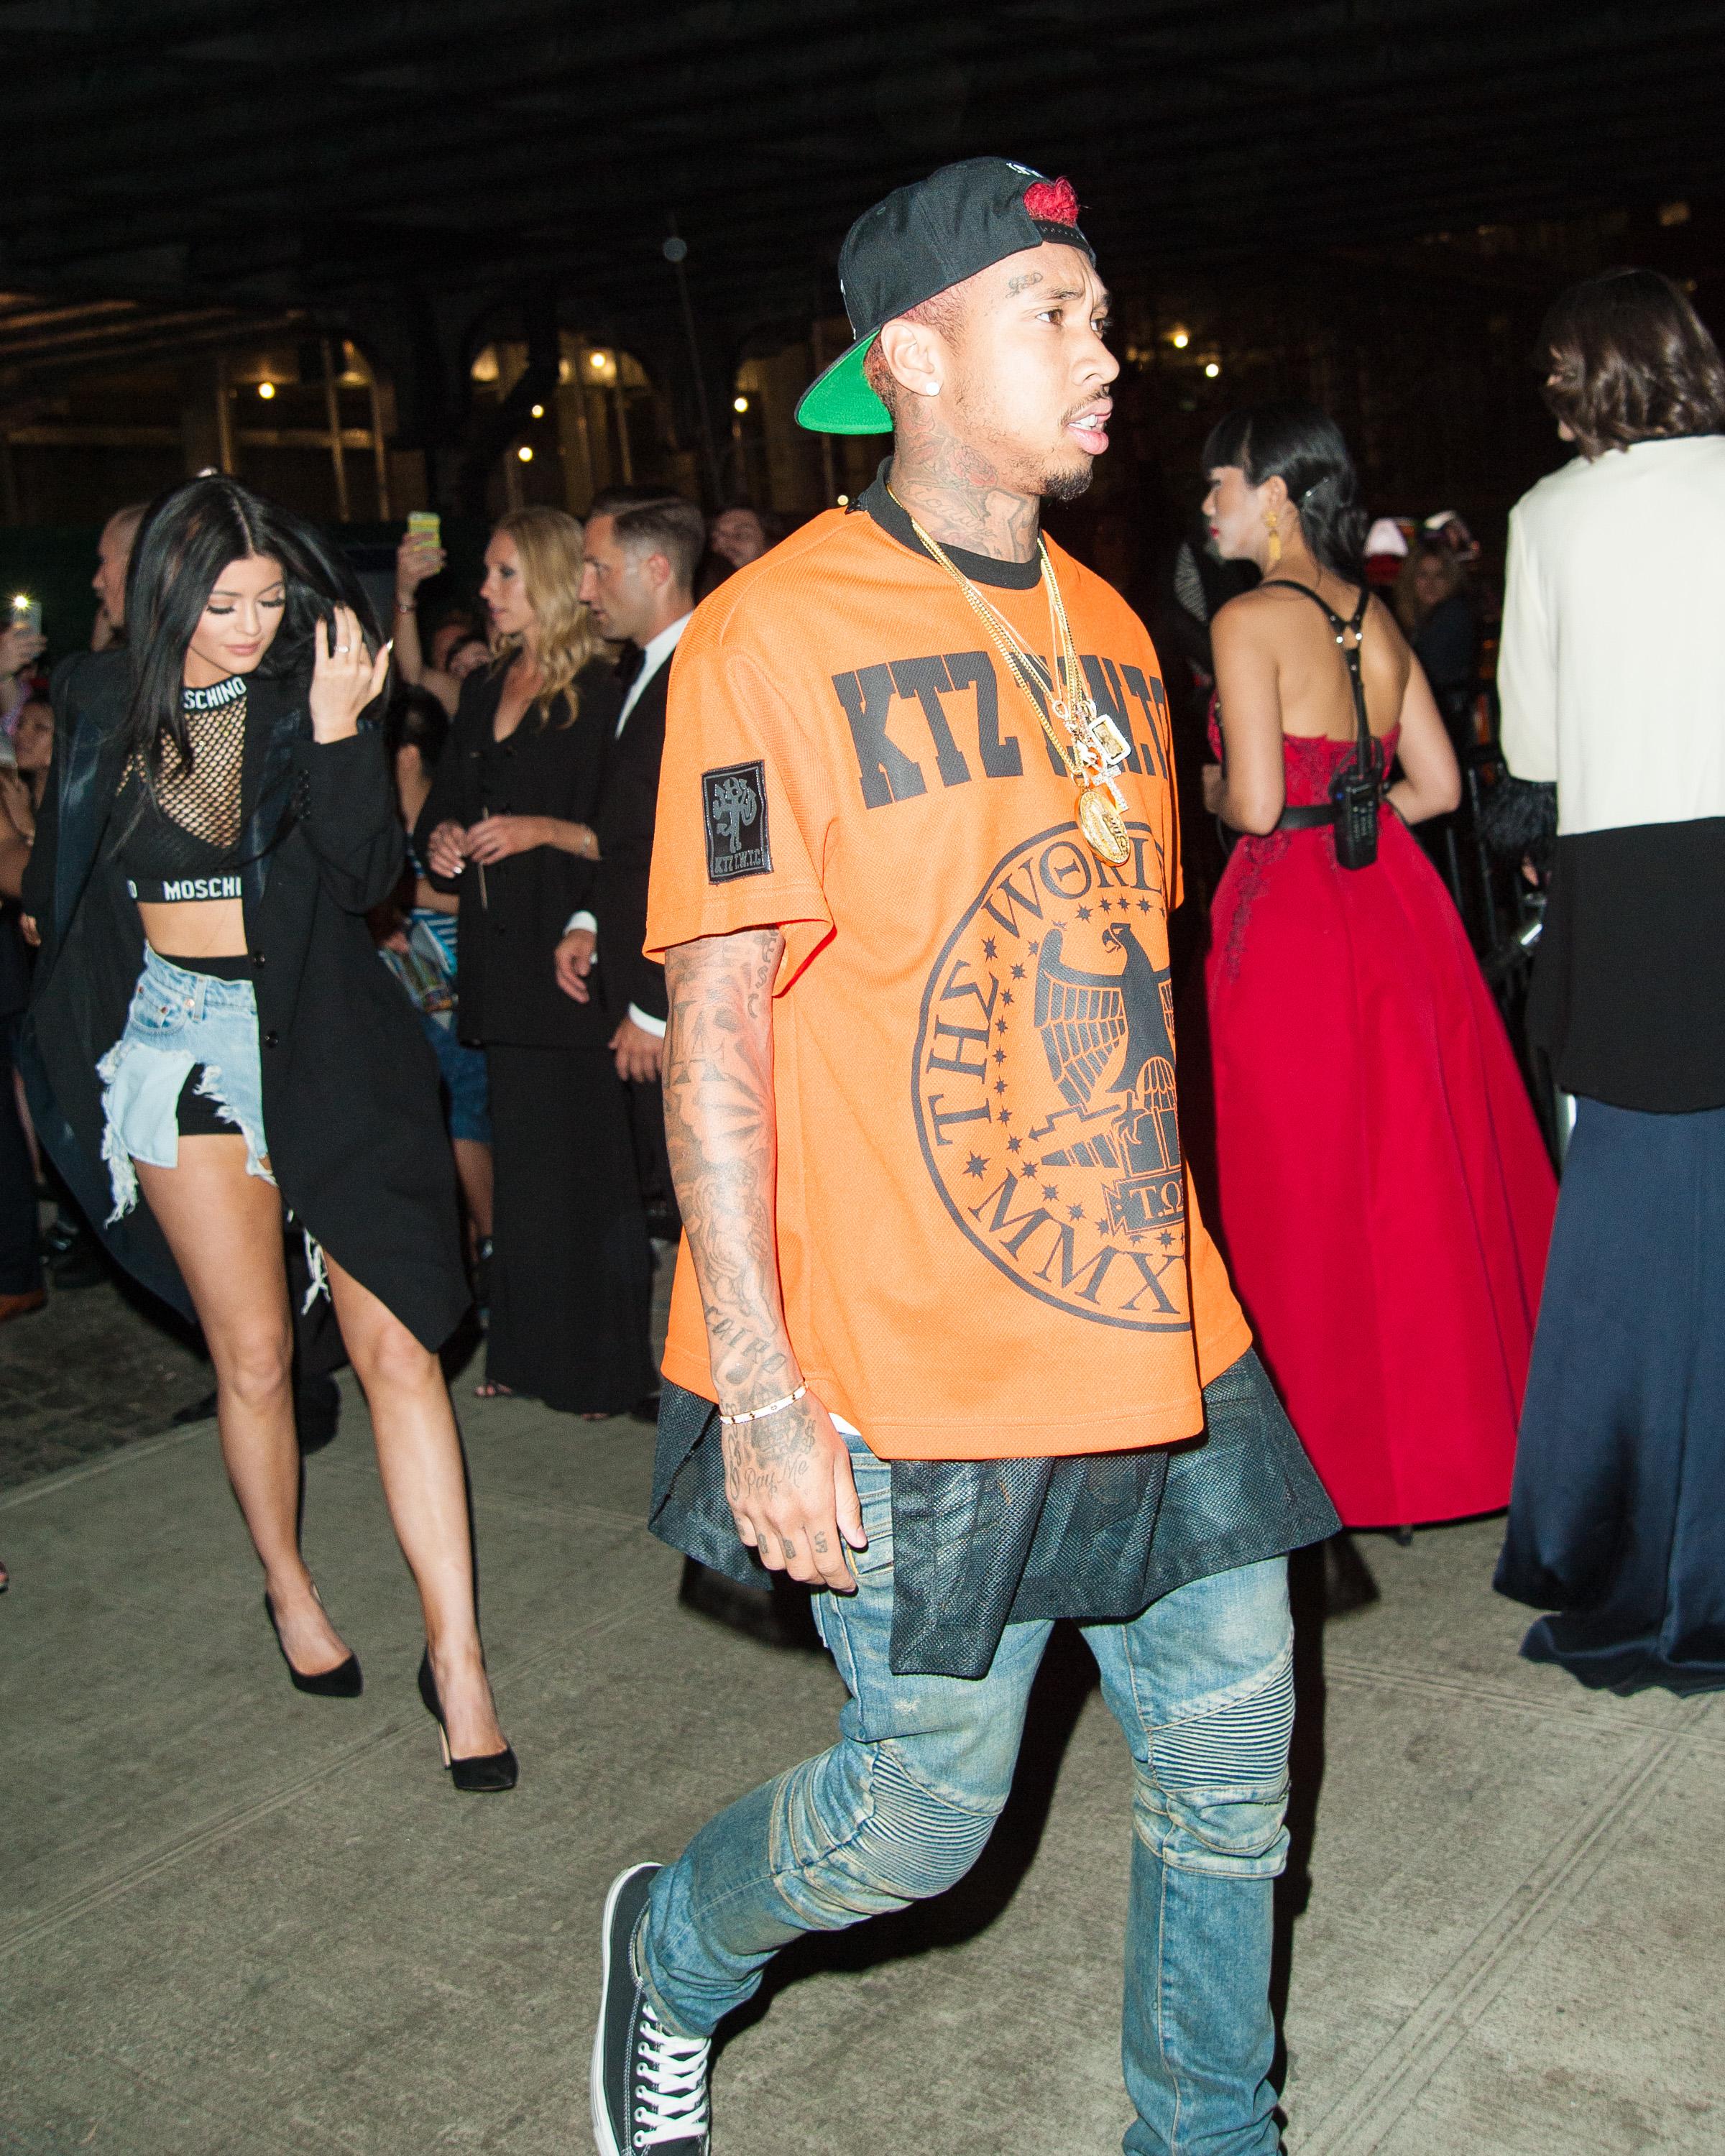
x,y
655,654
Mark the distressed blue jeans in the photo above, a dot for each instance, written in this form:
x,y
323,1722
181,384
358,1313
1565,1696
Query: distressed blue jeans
x,y
899,1808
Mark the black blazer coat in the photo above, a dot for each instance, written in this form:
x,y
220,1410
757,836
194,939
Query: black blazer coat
x,y
350,1106
627,809
509,924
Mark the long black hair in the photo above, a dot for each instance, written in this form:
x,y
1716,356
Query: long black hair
x,y
1302,447
187,537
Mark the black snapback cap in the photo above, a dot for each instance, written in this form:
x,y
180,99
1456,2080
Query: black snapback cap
x,y
924,239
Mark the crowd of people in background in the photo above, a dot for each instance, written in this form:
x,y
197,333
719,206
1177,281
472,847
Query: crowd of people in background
x,y
350,967
525,729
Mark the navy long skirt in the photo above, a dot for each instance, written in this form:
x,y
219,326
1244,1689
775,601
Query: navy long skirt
x,y
1617,1521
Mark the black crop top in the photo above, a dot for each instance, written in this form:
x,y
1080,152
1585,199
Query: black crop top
x,y
182,841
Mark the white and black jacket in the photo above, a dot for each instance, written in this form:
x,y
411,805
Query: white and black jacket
x,y
1611,677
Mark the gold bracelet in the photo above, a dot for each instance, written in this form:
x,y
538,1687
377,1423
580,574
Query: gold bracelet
x,y
757,1414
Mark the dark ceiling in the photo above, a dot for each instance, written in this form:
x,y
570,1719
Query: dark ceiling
x,y
196,152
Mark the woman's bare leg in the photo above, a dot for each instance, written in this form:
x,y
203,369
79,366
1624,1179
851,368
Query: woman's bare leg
x,y
420,1455
224,1229
472,1171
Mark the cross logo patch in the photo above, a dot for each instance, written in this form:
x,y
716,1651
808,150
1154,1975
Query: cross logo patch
x,y
733,801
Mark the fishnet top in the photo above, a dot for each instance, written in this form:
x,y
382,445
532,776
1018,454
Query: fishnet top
x,y
191,827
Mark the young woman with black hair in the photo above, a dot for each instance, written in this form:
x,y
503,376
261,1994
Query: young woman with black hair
x,y
210,1030
1385,1199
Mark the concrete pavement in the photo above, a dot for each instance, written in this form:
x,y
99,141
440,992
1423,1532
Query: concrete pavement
x,y
235,1922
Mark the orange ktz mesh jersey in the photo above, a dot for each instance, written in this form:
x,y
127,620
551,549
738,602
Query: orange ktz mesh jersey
x,y
988,1243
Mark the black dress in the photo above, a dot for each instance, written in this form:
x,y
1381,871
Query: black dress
x,y
357,1141
570,1279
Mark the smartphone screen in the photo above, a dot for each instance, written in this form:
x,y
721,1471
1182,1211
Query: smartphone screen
x,y
425,524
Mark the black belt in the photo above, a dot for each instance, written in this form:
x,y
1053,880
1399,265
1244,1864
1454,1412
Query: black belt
x,y
1307,818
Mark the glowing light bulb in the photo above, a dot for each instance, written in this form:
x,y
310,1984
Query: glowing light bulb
x,y
1179,339
843,502
538,411
739,403
525,452
266,390
1211,369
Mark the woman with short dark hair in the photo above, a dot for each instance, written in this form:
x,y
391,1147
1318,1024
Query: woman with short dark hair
x,y
1385,1199
210,1033
1612,681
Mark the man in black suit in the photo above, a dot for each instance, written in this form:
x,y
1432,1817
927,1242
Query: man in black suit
x,y
642,547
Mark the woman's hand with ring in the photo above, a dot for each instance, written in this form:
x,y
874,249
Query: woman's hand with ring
x,y
344,676
446,849
497,837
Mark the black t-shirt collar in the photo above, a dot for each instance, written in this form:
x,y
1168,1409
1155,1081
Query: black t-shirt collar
x,y
980,568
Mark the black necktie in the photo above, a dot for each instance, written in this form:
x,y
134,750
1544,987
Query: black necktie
x,y
629,665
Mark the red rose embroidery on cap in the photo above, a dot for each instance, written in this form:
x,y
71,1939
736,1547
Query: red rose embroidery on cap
x,y
1052,202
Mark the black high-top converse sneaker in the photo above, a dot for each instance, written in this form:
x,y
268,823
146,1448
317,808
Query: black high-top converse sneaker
x,y
649,2088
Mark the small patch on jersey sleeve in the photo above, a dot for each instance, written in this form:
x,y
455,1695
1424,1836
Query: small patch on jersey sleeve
x,y
733,801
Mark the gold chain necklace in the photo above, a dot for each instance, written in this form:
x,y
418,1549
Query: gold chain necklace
x,y
1094,749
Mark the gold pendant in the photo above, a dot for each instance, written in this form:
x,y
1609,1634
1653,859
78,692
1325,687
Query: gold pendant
x,y
1112,744
1103,825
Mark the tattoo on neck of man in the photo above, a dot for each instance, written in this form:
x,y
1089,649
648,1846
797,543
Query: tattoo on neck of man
x,y
956,491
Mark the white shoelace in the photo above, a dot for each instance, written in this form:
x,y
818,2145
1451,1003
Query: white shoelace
x,y
671,2078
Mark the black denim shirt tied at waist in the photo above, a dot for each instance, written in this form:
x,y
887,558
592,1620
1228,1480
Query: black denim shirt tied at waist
x,y
978,1544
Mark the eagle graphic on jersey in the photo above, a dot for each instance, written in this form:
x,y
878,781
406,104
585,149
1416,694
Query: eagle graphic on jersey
x,y
1084,1018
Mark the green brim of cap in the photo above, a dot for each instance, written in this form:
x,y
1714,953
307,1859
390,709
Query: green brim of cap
x,y
841,402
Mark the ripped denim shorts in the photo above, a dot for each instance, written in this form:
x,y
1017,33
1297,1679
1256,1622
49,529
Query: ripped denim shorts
x,y
180,1021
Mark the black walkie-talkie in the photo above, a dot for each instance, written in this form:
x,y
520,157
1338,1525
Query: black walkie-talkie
x,y
1356,790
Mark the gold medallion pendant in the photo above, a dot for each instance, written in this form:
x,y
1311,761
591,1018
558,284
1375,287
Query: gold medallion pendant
x,y
1103,824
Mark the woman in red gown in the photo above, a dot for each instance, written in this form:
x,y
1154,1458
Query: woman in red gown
x,y
1385,1198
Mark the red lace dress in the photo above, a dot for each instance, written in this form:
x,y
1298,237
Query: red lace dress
x,y
1385,1199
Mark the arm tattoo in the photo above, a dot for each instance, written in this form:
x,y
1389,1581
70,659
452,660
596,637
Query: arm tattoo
x,y
721,1134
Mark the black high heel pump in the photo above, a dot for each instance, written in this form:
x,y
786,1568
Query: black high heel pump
x,y
344,1682
484,1771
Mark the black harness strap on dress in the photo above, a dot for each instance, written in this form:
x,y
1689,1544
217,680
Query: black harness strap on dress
x,y
1310,816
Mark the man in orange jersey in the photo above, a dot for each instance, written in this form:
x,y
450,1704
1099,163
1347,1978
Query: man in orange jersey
x,y
949,1341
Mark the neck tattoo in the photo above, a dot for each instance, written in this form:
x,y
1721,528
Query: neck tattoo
x,y
1090,747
